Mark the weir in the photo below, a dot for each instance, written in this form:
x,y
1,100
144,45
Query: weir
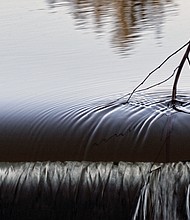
x,y
123,159
95,184
84,190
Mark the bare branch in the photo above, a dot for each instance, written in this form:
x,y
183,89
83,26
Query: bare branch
x,y
174,91
136,88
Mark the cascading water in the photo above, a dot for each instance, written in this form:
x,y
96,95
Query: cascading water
x,y
73,190
149,128
146,129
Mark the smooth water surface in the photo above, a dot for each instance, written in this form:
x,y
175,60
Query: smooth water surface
x,y
146,129
72,50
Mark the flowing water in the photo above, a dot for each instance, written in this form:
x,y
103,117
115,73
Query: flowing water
x,y
73,190
145,129
66,67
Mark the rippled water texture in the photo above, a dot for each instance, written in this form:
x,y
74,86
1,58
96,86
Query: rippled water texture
x,y
64,65
145,129
72,50
73,190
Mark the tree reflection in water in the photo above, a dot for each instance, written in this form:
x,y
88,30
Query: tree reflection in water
x,y
125,20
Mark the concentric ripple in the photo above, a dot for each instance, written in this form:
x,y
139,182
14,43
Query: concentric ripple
x,y
145,129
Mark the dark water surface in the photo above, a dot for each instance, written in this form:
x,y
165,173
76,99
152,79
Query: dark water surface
x,y
144,129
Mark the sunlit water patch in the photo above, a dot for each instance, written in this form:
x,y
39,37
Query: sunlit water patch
x,y
65,50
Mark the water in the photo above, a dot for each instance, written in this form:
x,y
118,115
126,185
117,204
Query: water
x,y
74,190
64,66
67,51
145,129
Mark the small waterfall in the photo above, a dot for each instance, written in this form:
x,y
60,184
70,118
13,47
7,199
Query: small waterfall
x,y
84,190
146,133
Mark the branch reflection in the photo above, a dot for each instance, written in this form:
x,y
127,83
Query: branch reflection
x,y
125,20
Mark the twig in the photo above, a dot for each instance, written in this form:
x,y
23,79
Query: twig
x,y
174,91
188,60
136,88
150,87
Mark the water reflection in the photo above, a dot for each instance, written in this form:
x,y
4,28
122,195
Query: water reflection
x,y
126,21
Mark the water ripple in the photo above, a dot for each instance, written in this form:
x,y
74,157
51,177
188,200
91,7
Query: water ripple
x,y
145,129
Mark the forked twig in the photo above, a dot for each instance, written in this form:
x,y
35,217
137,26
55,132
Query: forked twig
x,y
171,55
185,57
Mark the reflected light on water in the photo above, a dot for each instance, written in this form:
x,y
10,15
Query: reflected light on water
x,y
125,21
72,50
